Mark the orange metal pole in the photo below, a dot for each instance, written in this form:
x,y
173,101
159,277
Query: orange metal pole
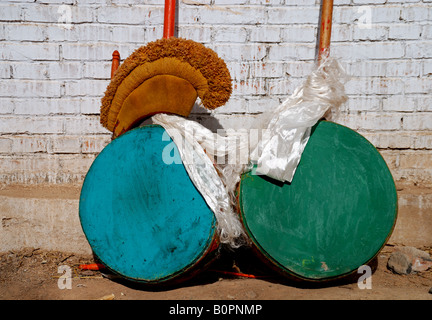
x,y
325,31
169,19
115,62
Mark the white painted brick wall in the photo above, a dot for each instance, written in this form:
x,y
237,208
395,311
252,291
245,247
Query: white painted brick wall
x,y
55,66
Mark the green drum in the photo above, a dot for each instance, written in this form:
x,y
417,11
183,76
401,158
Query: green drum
x,y
336,214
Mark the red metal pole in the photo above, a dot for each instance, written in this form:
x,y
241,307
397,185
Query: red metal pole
x,y
115,62
325,30
169,20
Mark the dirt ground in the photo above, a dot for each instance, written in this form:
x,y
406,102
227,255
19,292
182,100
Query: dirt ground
x,y
33,274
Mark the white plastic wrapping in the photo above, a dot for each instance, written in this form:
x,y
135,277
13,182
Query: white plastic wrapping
x,y
193,141
279,153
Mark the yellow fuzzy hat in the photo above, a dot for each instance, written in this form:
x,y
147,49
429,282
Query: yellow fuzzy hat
x,y
167,76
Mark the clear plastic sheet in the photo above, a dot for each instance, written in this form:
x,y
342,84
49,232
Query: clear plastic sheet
x,y
198,147
278,154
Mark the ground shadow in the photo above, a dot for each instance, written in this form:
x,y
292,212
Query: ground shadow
x,y
241,263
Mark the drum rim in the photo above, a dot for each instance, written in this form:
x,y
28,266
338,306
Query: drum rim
x,y
278,267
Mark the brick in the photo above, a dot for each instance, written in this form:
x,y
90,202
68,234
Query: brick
x,y
418,85
395,68
46,106
293,15
58,1
286,52
404,103
95,32
283,86
419,49
29,88
5,70
249,87
374,86
29,51
403,68
95,51
149,15
418,121
367,51
262,104
10,12
377,14
427,67
405,31
90,105
230,2
363,103
58,13
85,88
233,105
6,105
153,33
188,15
416,159
299,69
367,68
21,169
94,144
266,69
427,32
239,70
265,34
341,33
403,1
29,144
391,158
389,140
241,14
375,33
47,70
415,13
234,52
24,32
68,144
84,125
298,34
96,70
266,2
151,2
78,164
5,145
30,70
192,2
230,34
369,1
201,34
371,121
422,140
23,125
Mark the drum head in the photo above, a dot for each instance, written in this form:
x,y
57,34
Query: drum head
x,y
335,216
144,218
